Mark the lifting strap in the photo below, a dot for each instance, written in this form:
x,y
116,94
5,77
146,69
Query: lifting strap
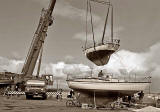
x,y
92,24
104,31
86,24
112,25
89,10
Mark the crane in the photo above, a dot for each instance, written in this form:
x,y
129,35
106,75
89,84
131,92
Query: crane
x,y
45,21
26,81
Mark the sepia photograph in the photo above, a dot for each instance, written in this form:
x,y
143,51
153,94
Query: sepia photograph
x,y
79,56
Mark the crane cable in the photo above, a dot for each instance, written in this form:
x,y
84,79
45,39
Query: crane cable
x,y
92,23
89,9
86,24
105,25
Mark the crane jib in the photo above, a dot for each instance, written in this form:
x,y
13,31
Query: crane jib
x,y
38,40
51,6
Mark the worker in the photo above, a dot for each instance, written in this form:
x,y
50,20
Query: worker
x,y
124,99
141,95
72,93
59,95
129,99
6,92
100,74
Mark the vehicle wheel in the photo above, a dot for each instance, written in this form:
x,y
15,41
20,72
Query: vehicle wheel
x,y
78,104
44,96
28,97
69,103
8,96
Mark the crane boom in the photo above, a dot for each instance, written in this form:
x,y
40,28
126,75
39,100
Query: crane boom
x,y
45,21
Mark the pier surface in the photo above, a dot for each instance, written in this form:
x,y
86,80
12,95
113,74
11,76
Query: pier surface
x,y
20,104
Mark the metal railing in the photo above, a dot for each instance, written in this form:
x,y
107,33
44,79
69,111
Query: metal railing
x,y
114,42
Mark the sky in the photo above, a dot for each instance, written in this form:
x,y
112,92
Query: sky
x,y
136,24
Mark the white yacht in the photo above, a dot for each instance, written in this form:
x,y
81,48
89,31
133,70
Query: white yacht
x,y
107,86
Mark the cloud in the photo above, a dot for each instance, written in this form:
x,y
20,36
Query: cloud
x,y
142,64
132,62
61,69
64,9
10,65
128,60
122,63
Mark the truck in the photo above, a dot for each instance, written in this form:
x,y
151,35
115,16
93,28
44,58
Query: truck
x,y
35,87
38,86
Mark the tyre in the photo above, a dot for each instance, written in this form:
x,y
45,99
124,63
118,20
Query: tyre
x,y
28,97
69,103
44,96
78,104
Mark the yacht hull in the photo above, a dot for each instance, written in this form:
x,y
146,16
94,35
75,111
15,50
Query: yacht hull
x,y
124,88
104,91
100,55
